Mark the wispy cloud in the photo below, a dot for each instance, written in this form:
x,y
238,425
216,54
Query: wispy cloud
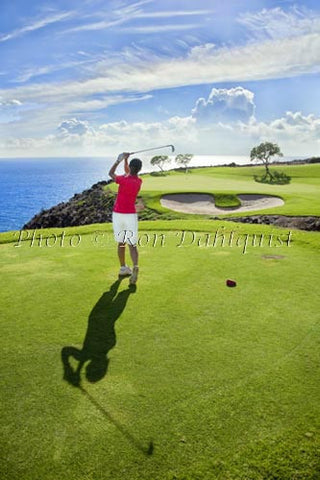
x,y
102,25
111,19
160,28
32,72
276,23
204,64
102,103
134,12
129,9
36,25
179,13
10,103
268,44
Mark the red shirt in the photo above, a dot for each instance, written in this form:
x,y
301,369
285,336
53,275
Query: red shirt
x,y
129,186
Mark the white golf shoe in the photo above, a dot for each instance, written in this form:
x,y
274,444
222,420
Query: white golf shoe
x,y
134,277
124,271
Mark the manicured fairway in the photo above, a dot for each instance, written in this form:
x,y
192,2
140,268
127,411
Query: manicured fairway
x,y
301,196
223,381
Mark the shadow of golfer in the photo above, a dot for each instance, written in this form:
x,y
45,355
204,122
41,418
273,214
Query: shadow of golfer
x,y
100,337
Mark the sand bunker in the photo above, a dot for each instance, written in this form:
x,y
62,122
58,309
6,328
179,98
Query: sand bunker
x,y
203,203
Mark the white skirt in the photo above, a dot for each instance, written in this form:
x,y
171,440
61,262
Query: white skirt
x,y
125,227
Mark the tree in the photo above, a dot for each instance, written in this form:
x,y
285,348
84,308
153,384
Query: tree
x,y
184,159
159,161
264,153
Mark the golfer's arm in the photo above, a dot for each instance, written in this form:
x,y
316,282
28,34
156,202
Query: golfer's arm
x,y
126,166
113,169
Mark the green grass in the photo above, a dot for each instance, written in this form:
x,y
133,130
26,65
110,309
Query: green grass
x,y
224,200
301,196
224,381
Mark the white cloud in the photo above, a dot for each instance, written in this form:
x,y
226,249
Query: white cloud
x,y
104,102
160,28
10,103
75,137
73,127
200,53
296,134
29,73
133,12
175,130
9,111
277,51
294,127
222,105
226,123
207,64
297,119
276,23
102,25
171,14
113,19
132,9
36,25
34,118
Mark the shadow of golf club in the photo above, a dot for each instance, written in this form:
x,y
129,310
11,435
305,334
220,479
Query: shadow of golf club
x,y
134,441
100,337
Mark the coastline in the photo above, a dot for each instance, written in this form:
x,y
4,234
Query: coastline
x,y
30,186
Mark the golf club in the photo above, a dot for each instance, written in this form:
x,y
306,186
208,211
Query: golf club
x,y
155,148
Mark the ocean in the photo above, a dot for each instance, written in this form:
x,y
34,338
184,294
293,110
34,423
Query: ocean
x,y
29,185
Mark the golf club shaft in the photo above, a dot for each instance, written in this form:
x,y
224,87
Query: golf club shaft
x,y
155,148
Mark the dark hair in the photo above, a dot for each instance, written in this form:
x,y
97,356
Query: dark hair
x,y
135,166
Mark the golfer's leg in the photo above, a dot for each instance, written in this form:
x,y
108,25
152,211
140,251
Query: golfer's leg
x,y
132,237
132,242
122,254
134,254
135,271
117,222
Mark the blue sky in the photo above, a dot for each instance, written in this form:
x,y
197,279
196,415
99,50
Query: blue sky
x,y
97,77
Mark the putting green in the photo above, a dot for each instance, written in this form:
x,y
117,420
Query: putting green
x,y
301,196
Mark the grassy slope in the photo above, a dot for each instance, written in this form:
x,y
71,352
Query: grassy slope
x,y
301,196
223,380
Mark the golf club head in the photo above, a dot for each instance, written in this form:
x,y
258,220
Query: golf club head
x,y
172,148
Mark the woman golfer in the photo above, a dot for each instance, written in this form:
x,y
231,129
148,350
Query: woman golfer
x,y
124,216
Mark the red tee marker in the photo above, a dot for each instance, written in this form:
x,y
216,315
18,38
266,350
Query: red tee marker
x,y
231,283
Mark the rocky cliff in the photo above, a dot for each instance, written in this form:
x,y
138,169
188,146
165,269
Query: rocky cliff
x,y
91,206
309,223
